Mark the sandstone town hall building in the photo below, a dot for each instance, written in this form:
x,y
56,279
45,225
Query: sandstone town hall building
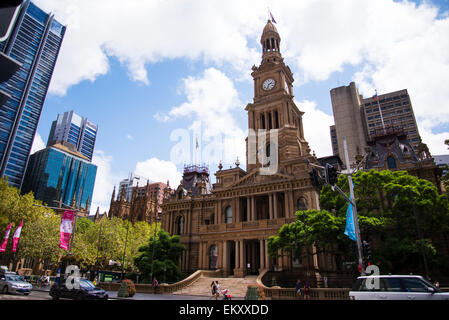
x,y
226,226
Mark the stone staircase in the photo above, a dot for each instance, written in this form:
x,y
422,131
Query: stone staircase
x,y
237,286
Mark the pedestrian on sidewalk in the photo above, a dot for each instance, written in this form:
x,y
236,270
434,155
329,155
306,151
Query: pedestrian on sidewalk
x,y
307,290
213,289
217,290
298,289
155,285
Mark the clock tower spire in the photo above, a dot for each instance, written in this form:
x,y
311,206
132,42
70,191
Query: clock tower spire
x,y
273,107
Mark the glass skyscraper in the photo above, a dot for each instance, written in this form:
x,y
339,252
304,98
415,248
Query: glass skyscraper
x,y
60,172
34,42
76,130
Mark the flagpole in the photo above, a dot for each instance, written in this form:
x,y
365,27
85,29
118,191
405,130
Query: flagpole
x,y
380,111
354,207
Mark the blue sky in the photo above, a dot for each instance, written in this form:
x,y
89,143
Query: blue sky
x,y
144,70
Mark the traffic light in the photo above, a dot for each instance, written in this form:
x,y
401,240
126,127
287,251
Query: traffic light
x,y
331,174
366,250
315,178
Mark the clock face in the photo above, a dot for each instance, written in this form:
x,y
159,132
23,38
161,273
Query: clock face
x,y
268,84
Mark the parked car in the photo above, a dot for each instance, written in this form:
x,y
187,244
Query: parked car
x,y
87,291
10,282
396,287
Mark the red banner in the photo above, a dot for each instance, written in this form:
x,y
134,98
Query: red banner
x,y
65,229
5,238
15,239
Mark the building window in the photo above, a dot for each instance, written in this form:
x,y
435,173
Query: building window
x,y
228,213
301,204
179,225
262,121
391,163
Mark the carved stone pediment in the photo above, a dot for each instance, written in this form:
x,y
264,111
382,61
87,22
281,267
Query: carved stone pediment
x,y
256,177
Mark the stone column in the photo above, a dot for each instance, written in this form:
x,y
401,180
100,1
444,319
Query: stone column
x,y
253,208
237,254
248,209
270,206
267,257
237,210
253,255
200,256
206,260
219,213
184,224
242,260
287,211
262,256
291,204
225,257
220,255
275,204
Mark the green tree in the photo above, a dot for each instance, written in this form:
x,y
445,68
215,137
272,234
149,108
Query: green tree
x,y
40,232
400,213
167,254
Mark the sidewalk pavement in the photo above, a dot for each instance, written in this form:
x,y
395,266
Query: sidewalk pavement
x,y
152,296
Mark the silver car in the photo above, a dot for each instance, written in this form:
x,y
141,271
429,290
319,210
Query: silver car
x,y
395,287
11,282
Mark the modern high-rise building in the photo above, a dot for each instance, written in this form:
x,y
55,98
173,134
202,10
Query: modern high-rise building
x,y
61,173
34,42
72,128
361,120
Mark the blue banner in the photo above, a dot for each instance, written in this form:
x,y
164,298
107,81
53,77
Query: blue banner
x,y
350,228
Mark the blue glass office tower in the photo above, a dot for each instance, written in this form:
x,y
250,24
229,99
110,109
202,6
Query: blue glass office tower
x,y
60,172
34,42
77,130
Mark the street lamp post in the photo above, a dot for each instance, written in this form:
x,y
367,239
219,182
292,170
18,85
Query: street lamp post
x,y
154,246
124,252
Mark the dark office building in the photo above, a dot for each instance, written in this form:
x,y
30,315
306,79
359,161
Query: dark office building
x,y
61,173
34,42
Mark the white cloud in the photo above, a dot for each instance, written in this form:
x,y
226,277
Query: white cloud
x,y
38,143
104,182
161,117
318,136
129,137
392,45
211,99
159,171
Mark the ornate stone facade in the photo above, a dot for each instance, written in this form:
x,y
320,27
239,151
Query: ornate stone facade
x,y
227,226
389,149
143,205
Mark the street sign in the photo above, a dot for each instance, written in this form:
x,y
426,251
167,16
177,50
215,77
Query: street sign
x,y
8,16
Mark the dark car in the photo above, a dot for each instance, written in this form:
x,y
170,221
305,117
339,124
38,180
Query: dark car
x,y
86,291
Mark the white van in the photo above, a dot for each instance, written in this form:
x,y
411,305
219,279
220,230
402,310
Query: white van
x,y
396,287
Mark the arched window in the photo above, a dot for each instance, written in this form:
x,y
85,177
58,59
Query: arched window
x,y
228,213
391,163
179,225
301,204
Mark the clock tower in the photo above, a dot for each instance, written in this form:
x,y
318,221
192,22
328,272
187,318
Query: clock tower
x,y
273,107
